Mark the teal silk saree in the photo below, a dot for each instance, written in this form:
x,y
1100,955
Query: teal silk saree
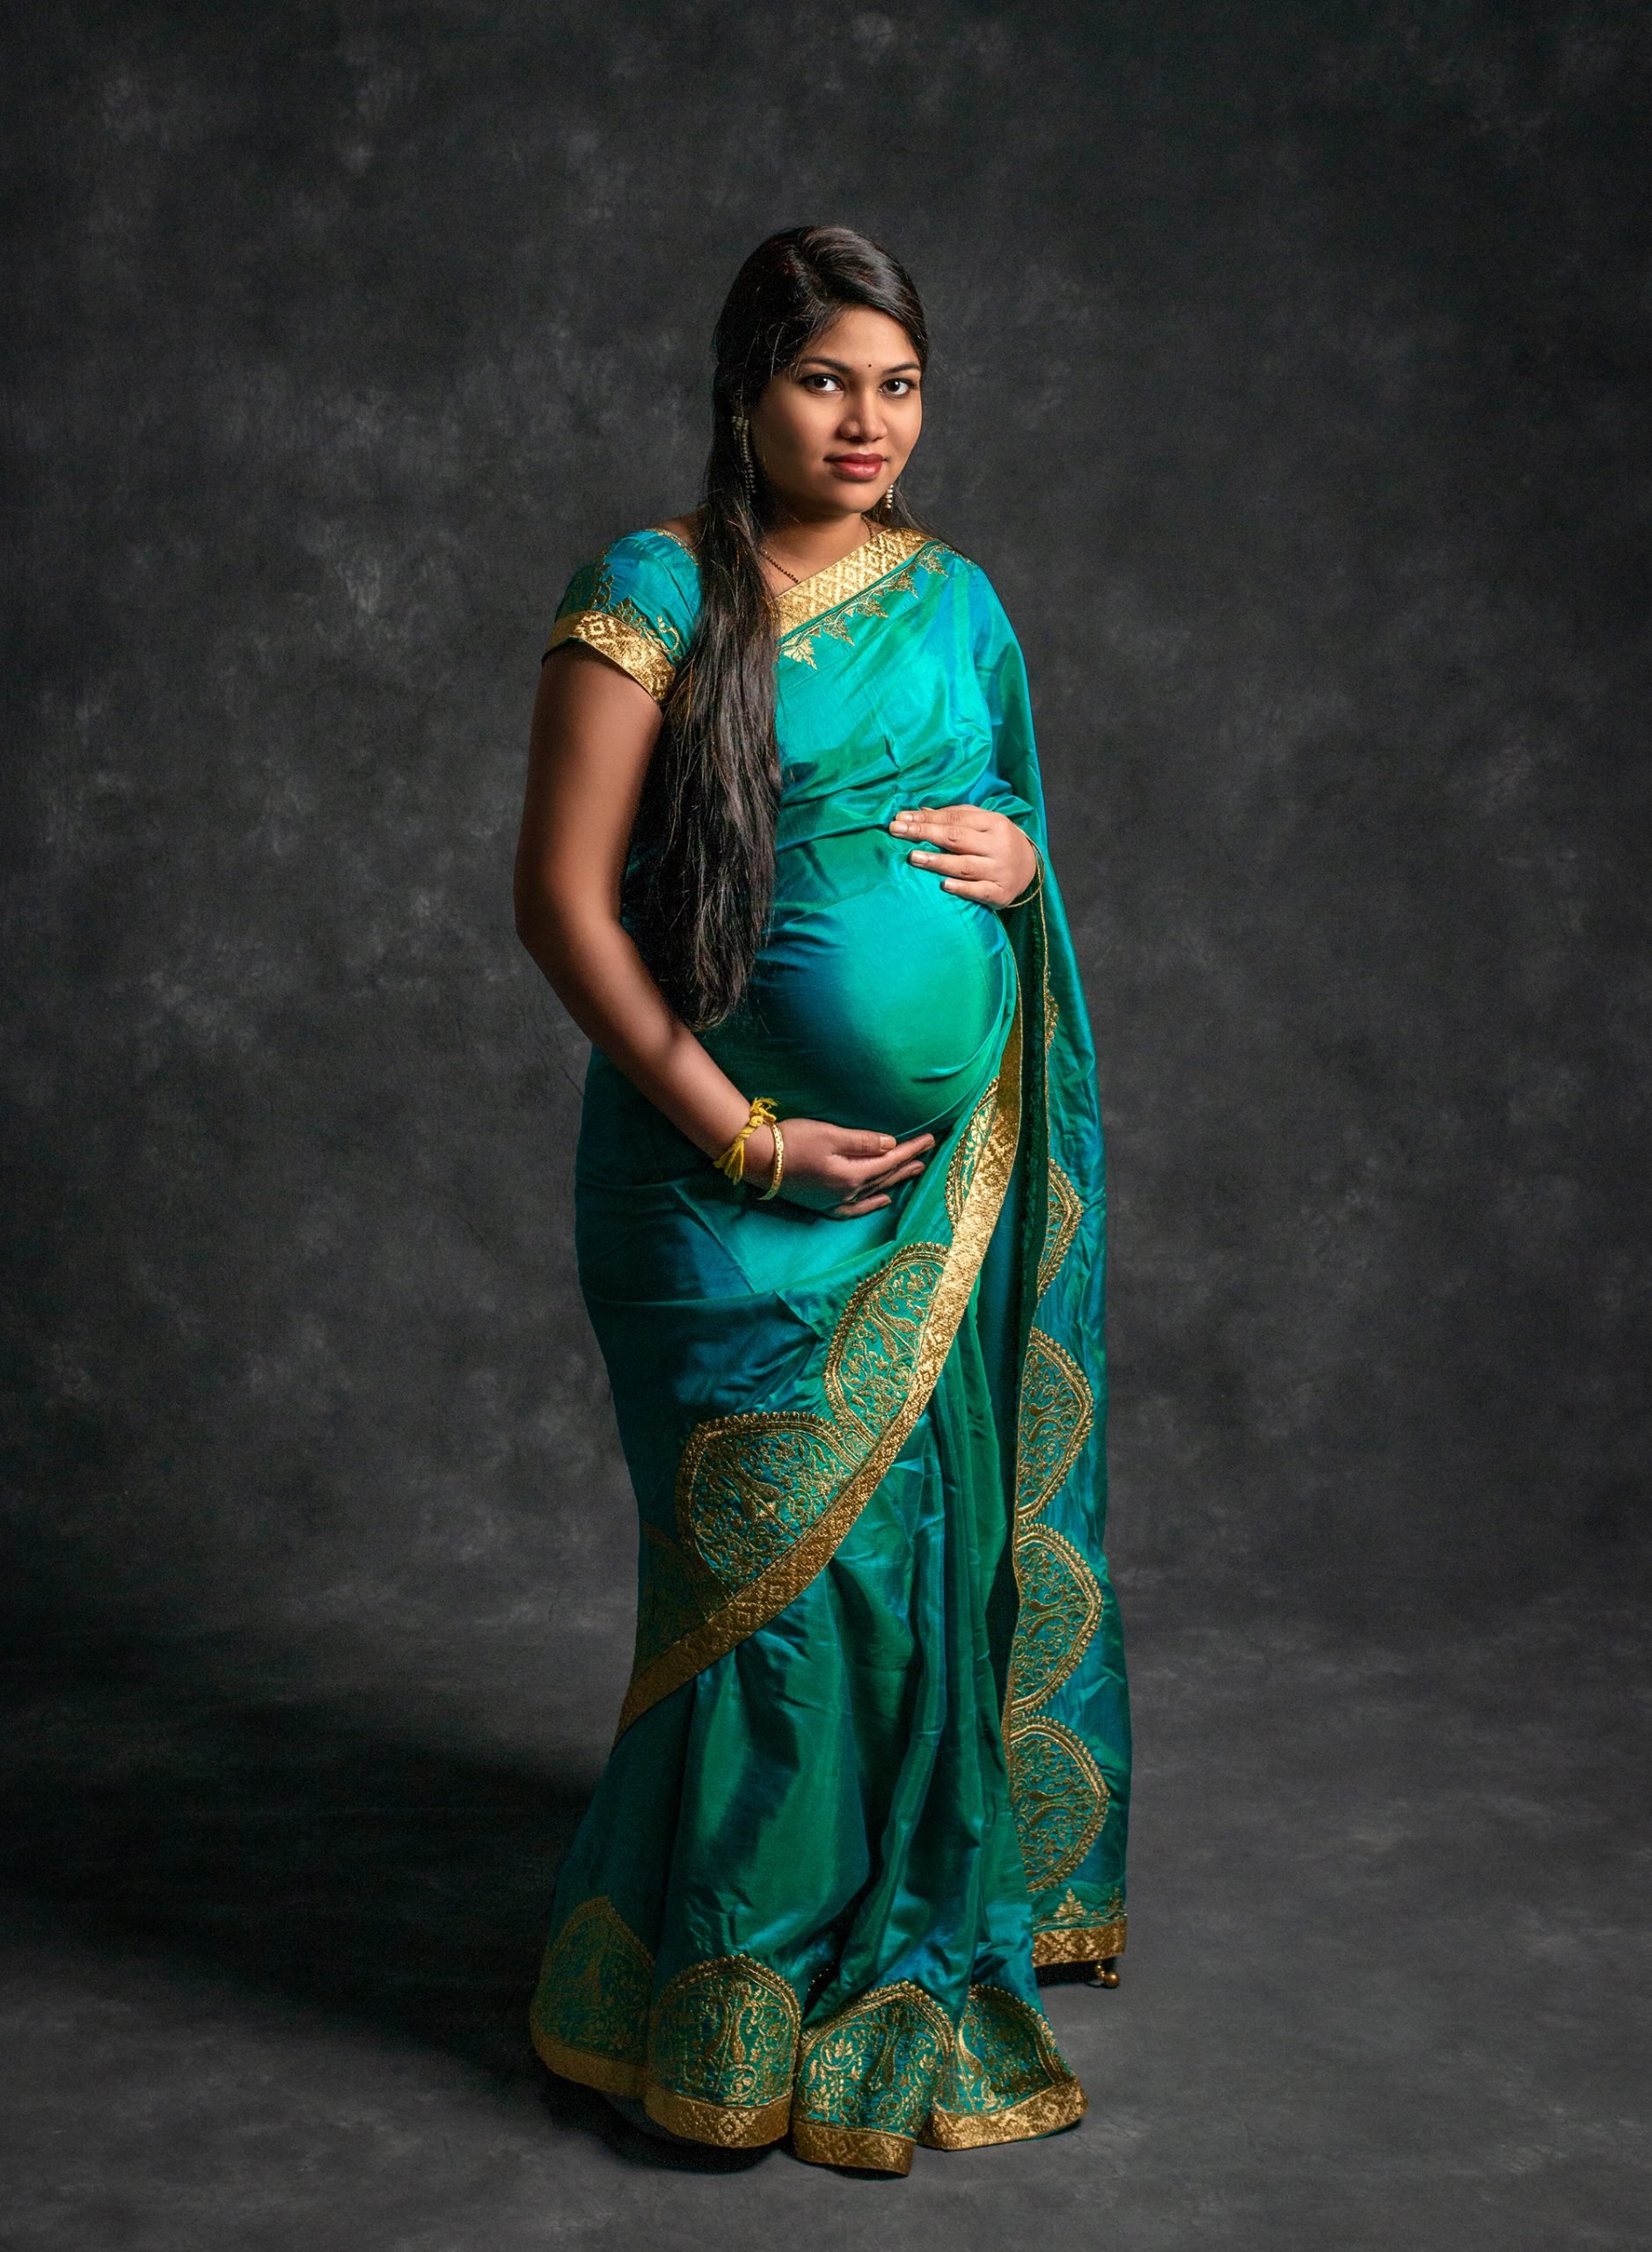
x,y
872,1768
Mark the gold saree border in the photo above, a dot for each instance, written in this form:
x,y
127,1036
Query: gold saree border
x,y
871,2150
1058,1796
1096,1943
784,1580
1042,2113
727,2126
610,2075
646,660
888,547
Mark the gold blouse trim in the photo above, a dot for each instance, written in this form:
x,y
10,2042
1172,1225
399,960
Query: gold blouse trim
x,y
852,574
648,660
767,1594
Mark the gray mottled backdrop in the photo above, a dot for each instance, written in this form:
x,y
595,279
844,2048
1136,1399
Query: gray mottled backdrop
x,y
1290,383
1284,386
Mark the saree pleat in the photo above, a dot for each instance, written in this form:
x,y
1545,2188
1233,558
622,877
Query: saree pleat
x,y
872,1766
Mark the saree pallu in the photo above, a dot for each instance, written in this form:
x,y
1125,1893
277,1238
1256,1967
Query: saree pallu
x,y
872,1765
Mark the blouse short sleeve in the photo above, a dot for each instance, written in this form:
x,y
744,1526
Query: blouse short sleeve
x,y
635,606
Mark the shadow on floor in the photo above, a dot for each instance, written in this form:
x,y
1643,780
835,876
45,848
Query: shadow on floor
x,y
297,1847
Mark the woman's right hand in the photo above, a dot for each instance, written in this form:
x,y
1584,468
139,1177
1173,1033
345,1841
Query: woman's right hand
x,y
841,1170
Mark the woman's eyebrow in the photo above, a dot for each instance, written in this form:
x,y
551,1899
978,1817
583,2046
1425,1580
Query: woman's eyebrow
x,y
843,367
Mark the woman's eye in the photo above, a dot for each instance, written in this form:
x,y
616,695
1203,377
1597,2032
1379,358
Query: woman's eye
x,y
821,380
900,385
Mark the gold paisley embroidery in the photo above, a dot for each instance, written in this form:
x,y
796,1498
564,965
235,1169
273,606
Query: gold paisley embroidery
x,y
872,2068
748,1487
722,2049
1005,2078
1059,1798
876,1341
866,1451
590,2012
1056,1412
1066,1209
844,591
1060,1606
965,1157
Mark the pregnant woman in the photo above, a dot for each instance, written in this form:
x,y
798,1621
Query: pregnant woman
x,y
839,1200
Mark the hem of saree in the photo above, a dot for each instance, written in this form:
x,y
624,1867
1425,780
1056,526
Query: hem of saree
x,y
1097,1943
610,2075
868,2149
728,2126
784,1580
1043,2113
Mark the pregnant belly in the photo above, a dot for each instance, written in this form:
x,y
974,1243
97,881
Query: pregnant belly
x,y
886,1010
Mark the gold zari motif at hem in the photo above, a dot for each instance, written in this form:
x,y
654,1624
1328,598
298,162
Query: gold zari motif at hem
x,y
723,2043
1043,2114
885,1360
725,2065
875,2065
590,2012
1003,2058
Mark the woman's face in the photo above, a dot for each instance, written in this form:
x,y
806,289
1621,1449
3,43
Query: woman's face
x,y
832,432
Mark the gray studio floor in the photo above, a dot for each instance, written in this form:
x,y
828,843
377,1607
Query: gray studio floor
x,y
266,1969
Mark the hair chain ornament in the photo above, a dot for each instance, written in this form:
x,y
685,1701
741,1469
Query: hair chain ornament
x,y
732,1163
748,467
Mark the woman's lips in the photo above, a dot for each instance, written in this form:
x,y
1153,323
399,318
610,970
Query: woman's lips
x,y
860,467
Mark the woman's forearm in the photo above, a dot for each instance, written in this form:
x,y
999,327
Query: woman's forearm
x,y
601,980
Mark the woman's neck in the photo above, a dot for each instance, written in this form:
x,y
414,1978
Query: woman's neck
x,y
803,547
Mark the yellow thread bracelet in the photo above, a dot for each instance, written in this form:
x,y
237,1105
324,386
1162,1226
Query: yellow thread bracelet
x,y
732,1164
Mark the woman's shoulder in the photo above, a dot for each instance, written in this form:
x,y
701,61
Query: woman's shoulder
x,y
663,552
635,603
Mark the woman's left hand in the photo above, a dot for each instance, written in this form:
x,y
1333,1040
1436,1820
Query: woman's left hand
x,y
985,856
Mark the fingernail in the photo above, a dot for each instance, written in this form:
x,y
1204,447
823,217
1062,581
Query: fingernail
x,y
886,1141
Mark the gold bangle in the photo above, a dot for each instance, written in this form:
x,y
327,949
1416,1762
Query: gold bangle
x,y
732,1164
1038,881
773,1189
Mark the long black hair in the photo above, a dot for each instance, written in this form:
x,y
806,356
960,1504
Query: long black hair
x,y
703,870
